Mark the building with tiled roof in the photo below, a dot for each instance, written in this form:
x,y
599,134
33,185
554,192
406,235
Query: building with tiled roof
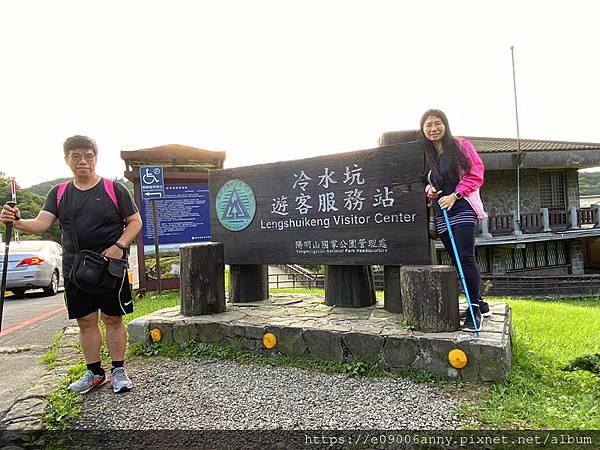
x,y
536,226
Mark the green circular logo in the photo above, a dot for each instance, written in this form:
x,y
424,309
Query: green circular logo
x,y
236,205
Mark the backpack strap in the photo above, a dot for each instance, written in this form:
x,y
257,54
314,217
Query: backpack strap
x,y
109,187
62,187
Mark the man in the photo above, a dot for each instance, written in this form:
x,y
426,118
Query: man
x,y
103,224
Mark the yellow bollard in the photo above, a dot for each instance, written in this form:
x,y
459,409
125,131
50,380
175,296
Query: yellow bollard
x,y
457,358
269,340
155,335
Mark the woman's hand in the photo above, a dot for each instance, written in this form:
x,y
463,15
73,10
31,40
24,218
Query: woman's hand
x,y
435,194
447,202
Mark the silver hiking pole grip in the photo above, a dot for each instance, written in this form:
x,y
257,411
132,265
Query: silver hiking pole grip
x,y
460,270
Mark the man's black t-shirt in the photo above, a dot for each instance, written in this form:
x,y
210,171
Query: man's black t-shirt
x,y
98,222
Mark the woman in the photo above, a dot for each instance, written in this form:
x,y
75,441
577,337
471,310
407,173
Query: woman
x,y
454,175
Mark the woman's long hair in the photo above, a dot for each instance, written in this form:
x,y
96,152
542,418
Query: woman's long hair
x,y
454,157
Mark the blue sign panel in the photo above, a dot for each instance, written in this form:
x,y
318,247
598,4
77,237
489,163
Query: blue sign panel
x,y
183,215
152,184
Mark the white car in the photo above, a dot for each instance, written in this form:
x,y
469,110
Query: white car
x,y
33,265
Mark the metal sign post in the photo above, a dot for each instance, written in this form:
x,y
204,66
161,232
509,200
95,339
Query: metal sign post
x,y
152,187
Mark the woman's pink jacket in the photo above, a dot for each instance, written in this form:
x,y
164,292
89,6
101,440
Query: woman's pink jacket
x,y
470,181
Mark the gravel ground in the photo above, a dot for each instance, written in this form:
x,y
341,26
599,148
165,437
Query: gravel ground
x,y
180,394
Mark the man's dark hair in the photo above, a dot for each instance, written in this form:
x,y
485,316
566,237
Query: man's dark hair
x,y
79,141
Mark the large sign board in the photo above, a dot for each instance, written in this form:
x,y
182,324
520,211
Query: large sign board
x,y
362,207
183,215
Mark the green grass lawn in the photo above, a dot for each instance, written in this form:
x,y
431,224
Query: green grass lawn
x,y
538,393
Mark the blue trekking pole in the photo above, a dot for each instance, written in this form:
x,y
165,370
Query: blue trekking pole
x,y
460,270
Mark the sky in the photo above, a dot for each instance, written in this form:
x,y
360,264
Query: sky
x,y
267,81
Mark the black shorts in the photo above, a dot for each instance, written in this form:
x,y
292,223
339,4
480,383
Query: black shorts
x,y
115,303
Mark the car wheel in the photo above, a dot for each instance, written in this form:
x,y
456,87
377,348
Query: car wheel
x,y
52,288
18,293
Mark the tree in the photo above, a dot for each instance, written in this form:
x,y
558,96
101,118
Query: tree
x,y
30,205
43,187
589,183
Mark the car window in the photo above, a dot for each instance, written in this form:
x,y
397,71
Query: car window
x,y
25,246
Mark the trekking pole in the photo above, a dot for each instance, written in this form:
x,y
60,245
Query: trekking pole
x,y
460,270
5,263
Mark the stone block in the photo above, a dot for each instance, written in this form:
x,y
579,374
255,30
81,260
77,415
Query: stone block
x,y
209,332
400,351
242,330
325,345
138,330
290,341
493,362
363,347
183,332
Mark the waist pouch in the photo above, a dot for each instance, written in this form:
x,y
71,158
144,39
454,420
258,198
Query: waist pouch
x,y
97,274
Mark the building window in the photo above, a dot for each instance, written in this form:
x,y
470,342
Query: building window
x,y
536,255
482,254
552,190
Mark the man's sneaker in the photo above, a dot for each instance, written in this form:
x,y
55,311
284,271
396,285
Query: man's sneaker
x,y
87,382
484,307
120,381
469,325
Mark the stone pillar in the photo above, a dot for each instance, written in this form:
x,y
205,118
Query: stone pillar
x,y
349,286
516,224
576,257
546,220
392,300
202,278
573,218
430,298
485,228
248,283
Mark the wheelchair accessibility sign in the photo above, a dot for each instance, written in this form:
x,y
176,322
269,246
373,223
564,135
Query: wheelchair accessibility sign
x,y
152,183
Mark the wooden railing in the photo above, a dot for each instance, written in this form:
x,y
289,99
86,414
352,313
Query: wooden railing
x,y
540,286
587,216
559,220
545,220
501,224
532,222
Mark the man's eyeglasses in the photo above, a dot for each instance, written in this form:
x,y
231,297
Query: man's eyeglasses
x,y
77,156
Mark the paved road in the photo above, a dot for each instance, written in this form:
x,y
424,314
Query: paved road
x,y
30,323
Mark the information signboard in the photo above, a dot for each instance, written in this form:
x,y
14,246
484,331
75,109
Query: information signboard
x,y
183,214
362,207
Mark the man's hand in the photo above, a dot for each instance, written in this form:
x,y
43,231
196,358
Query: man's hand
x,y
9,214
113,252
447,202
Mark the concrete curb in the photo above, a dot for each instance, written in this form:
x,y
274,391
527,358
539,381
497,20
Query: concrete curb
x,y
25,415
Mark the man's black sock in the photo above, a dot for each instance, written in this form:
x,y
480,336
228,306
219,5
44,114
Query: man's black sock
x,y
116,364
96,368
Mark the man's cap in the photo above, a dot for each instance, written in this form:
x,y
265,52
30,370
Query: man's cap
x,y
79,141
